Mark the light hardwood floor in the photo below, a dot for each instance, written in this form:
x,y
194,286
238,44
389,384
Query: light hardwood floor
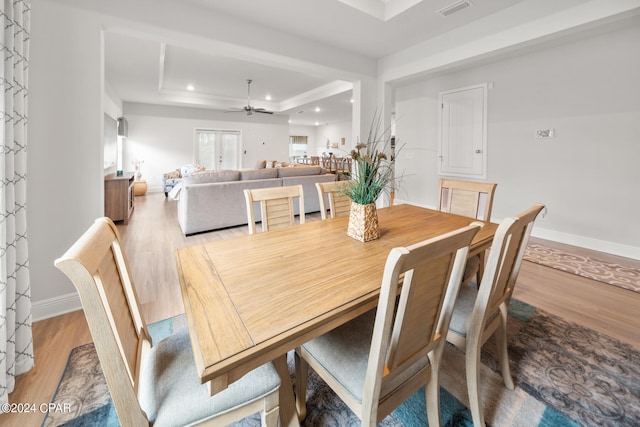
x,y
153,234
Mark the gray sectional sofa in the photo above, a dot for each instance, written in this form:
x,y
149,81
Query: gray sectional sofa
x,y
213,200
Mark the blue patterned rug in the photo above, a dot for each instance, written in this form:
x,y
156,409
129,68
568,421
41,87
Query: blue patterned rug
x,y
566,375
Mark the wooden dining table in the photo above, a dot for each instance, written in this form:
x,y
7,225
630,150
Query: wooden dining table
x,y
251,299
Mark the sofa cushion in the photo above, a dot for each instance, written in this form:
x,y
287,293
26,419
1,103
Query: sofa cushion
x,y
299,171
210,176
260,164
252,174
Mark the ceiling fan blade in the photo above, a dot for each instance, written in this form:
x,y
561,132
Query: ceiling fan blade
x,y
248,108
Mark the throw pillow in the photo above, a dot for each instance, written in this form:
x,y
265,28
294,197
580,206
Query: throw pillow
x,y
173,174
191,169
260,164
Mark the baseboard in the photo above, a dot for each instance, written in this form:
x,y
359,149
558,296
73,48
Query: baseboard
x,y
55,306
539,231
587,242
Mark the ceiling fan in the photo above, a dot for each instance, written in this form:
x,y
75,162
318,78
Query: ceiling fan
x,y
248,108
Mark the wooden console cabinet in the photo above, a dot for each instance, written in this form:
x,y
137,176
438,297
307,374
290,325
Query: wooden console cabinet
x,y
118,196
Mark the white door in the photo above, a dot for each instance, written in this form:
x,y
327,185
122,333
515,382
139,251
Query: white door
x,y
217,149
463,122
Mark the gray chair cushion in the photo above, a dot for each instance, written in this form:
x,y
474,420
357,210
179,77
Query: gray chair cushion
x,y
464,305
171,394
344,352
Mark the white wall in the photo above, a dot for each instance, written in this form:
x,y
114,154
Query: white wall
x,y
587,91
163,137
65,168
334,132
318,136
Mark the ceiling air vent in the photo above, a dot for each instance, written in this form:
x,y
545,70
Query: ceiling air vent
x,y
454,7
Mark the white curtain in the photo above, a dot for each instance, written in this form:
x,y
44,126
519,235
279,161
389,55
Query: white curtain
x,y
16,345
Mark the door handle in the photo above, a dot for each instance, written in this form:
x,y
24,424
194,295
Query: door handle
x,y
478,151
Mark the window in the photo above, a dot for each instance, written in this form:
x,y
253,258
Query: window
x,y
297,145
463,132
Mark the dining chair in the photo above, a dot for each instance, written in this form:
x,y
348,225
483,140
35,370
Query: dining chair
x,y
276,206
482,312
467,198
152,384
344,167
326,162
315,160
379,359
339,203
472,199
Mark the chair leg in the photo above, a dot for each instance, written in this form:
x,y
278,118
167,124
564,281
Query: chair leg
x,y
271,414
432,397
302,370
472,359
480,271
503,351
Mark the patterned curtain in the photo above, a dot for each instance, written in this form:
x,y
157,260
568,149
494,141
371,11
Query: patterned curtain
x,y
16,346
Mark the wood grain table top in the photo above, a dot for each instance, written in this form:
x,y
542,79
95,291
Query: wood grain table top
x,y
253,298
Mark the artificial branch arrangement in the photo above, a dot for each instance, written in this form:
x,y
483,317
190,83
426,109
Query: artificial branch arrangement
x,y
373,169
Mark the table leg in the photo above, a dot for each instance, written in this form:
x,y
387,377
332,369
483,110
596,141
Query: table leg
x,y
288,414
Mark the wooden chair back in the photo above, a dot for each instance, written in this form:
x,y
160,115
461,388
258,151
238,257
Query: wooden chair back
x,y
345,166
326,162
484,311
409,336
98,268
315,160
339,203
276,206
466,198
503,266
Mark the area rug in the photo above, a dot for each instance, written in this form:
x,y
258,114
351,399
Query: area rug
x,y
584,266
566,375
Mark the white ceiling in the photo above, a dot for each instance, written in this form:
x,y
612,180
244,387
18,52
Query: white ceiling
x,y
144,68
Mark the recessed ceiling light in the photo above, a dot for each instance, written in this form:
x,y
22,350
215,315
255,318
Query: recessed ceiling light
x,y
317,109
268,97
190,88
317,123
351,100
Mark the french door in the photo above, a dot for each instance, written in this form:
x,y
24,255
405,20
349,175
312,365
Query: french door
x,y
218,149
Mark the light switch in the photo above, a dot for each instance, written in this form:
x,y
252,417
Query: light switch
x,y
544,133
